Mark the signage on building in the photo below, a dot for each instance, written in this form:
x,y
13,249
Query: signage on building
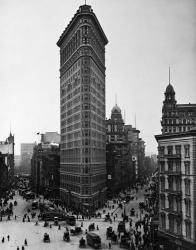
x,y
109,176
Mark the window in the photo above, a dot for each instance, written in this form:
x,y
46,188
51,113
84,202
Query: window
x,y
187,151
178,149
162,184
171,224
170,166
170,150
188,229
188,207
187,187
163,224
162,165
162,202
161,151
178,166
179,227
187,167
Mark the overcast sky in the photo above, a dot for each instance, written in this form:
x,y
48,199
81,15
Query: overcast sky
x,y
145,38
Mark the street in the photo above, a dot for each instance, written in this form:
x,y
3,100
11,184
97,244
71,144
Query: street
x,y
19,231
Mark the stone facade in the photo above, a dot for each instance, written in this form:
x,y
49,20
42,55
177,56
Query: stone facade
x,y
177,174
7,151
45,165
120,171
82,94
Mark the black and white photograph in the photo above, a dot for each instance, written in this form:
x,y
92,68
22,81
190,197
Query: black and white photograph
x,y
98,124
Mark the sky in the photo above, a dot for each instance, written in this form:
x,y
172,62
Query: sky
x,y
145,39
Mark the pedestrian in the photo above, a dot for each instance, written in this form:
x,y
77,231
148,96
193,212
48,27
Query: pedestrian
x,y
109,244
25,242
3,240
8,237
23,248
15,217
82,224
59,227
86,231
50,225
23,219
28,219
18,248
97,227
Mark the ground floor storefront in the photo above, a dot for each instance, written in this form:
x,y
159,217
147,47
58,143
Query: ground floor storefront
x,y
173,242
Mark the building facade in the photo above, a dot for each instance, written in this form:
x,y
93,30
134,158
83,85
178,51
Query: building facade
x,y
26,152
177,174
7,154
120,171
176,117
45,166
82,95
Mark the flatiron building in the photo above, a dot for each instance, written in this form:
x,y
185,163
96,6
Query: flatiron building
x,y
82,110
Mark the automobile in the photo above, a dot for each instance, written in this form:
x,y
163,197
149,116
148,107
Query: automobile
x,y
82,242
76,231
93,240
132,212
56,221
71,220
107,217
29,195
91,227
124,242
46,238
34,204
121,227
66,236
109,232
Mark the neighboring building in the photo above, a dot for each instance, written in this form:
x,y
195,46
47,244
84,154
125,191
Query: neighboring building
x,y
26,150
51,137
17,164
3,175
120,171
82,95
137,150
125,154
45,165
177,174
176,117
7,156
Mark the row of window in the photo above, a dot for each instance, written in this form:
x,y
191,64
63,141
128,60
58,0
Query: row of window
x,y
177,113
175,226
174,184
178,150
175,166
178,121
176,129
72,45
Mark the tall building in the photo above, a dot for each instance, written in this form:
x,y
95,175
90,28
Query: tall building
x,y
7,159
45,164
120,174
26,151
177,174
82,95
176,117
